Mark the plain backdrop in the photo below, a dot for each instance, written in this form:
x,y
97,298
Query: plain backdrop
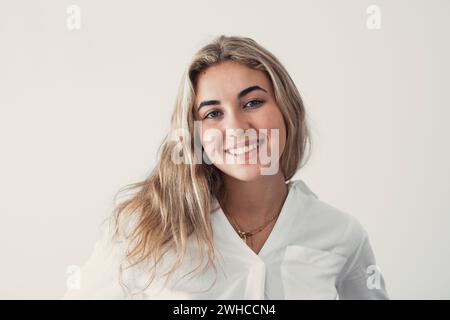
x,y
83,111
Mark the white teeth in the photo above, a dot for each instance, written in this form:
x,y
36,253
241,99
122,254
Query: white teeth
x,y
239,151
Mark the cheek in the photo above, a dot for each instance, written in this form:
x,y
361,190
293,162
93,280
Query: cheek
x,y
212,142
273,119
276,130
282,135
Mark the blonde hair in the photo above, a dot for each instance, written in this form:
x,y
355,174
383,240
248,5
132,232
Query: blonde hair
x,y
174,201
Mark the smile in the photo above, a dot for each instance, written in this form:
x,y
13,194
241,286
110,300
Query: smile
x,y
244,149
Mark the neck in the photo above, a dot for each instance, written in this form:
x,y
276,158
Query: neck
x,y
253,202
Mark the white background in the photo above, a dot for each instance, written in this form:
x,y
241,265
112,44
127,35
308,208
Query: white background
x,y
82,113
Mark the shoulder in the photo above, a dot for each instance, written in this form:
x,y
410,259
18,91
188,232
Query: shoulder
x,y
99,275
324,225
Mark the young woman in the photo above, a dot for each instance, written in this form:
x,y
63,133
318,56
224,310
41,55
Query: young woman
x,y
219,217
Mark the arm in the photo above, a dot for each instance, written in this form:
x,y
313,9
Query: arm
x,y
99,276
361,278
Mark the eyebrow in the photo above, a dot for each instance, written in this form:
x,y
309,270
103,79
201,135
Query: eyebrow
x,y
240,95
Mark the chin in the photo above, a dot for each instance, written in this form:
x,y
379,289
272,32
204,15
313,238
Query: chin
x,y
246,173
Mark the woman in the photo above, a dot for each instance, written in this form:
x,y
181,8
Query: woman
x,y
219,217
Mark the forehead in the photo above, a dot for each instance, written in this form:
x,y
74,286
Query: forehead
x,y
227,79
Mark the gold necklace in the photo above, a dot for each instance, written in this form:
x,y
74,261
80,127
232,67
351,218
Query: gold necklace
x,y
248,234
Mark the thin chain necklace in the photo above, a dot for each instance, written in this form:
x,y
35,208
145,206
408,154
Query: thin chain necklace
x,y
248,234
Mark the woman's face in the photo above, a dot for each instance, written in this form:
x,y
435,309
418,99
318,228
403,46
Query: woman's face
x,y
242,129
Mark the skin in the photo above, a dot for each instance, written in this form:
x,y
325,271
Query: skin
x,y
252,197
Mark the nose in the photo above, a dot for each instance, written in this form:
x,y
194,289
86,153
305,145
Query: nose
x,y
236,126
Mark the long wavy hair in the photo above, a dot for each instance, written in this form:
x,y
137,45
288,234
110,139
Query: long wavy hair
x,y
175,201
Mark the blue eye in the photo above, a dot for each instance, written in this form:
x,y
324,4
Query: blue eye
x,y
208,115
251,105
258,102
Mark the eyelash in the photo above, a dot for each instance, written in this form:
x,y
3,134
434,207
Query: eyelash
x,y
259,102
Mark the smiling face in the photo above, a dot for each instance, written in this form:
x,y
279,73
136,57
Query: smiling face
x,y
242,128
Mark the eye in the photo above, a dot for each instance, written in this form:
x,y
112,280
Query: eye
x,y
253,103
211,115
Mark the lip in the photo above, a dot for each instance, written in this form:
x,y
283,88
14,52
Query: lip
x,y
250,153
258,142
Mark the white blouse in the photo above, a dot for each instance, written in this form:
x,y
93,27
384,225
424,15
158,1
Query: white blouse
x,y
314,251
